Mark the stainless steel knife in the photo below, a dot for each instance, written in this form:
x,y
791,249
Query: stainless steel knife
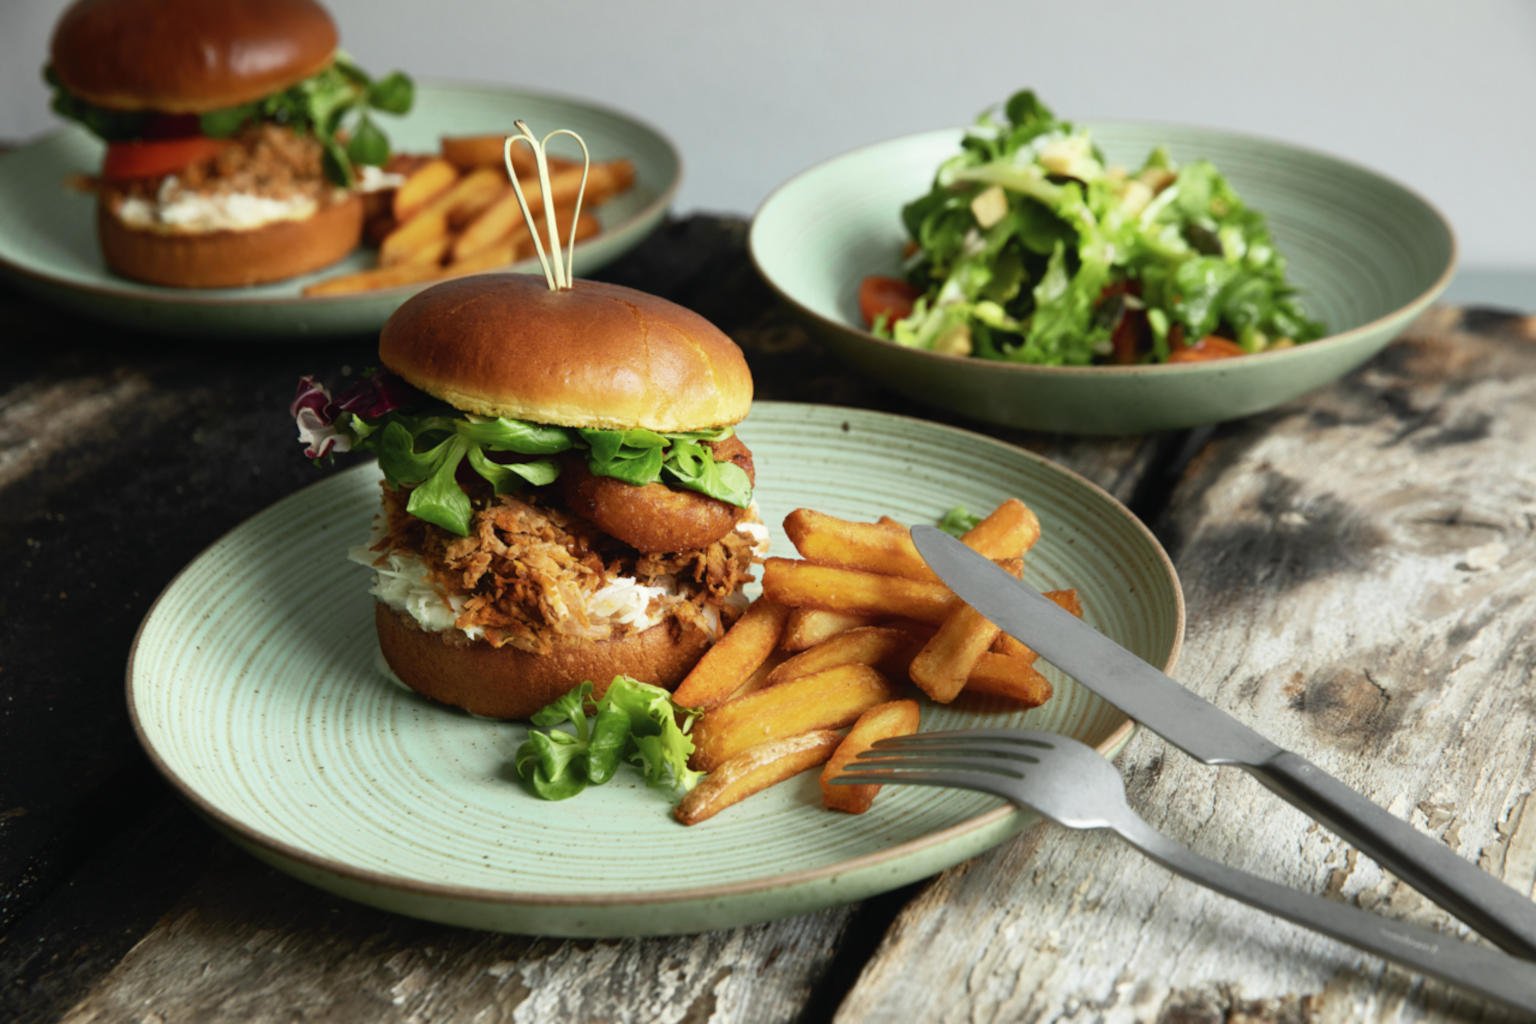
x,y
1201,729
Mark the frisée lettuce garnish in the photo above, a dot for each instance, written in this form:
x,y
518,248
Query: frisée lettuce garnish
x,y
632,722
421,443
1030,248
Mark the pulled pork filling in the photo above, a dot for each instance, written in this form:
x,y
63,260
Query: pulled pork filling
x,y
266,172
528,571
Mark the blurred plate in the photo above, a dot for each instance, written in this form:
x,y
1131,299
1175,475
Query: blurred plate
x,y
253,687
1367,254
49,244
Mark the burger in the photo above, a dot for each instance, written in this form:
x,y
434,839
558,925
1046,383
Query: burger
x,y
237,135
564,496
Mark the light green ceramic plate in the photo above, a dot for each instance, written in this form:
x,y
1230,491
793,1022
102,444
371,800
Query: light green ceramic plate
x,y
253,687
49,240
1367,254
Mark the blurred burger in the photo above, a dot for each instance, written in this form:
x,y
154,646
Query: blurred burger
x,y
564,499
237,135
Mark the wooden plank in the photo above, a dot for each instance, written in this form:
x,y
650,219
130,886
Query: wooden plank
x,y
1358,569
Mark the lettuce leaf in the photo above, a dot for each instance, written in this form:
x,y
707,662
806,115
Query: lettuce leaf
x,y
633,722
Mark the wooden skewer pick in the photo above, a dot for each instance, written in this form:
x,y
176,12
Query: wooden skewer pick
x,y
559,275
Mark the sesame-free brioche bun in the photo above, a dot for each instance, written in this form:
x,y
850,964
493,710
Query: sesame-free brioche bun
x,y
596,355
505,682
231,258
188,56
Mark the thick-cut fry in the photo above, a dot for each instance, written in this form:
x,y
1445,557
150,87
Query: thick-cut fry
x,y
873,547
941,668
468,152
808,627
1002,675
753,771
425,232
471,194
886,546
501,218
894,718
825,700
519,244
882,646
852,590
1007,531
421,186
732,660
395,276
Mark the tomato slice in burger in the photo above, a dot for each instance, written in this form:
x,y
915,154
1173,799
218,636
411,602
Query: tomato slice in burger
x,y
154,157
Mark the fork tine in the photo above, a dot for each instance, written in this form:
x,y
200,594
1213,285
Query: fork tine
x,y
958,746
982,759
996,785
1016,737
1005,767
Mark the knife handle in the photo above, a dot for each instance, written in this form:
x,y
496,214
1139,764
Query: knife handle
x,y
1500,913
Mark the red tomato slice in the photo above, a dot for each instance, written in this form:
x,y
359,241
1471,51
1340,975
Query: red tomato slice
x,y
1212,346
889,295
152,158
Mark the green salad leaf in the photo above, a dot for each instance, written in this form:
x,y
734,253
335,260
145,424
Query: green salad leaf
x,y
1027,234
422,443
959,521
632,722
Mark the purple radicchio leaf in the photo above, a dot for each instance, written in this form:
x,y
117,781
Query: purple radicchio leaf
x,y
315,415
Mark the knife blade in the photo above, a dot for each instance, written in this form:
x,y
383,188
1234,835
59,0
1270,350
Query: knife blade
x,y
1201,729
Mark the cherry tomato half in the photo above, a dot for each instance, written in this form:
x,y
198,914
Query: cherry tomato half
x,y
889,295
1212,346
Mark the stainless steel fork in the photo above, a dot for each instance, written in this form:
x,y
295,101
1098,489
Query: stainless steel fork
x,y
1073,785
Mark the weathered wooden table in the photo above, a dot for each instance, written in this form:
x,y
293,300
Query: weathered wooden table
x,y
1359,569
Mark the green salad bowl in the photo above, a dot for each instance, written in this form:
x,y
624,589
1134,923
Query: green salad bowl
x,y
1366,254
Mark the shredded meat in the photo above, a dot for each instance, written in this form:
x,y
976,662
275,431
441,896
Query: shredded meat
x,y
264,159
527,566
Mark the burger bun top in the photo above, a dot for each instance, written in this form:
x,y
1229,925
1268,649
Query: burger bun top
x,y
596,355
188,56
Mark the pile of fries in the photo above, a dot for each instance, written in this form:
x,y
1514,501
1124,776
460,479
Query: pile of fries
x,y
456,213
823,647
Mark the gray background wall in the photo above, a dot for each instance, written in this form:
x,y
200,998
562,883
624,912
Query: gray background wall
x,y
1440,95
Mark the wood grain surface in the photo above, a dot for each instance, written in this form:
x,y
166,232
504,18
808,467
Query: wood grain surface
x,y
1358,568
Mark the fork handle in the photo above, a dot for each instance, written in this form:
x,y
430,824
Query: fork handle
x,y
1503,977
1501,914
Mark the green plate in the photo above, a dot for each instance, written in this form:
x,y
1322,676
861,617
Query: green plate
x,y
253,686
49,241
1367,254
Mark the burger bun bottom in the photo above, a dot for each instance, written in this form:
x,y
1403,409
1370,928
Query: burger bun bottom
x,y
231,259
505,682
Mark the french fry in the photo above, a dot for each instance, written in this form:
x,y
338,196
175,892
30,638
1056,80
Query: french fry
x,y
732,660
808,627
874,547
471,194
421,186
1002,675
427,232
394,277
886,546
894,718
825,700
863,645
519,245
798,583
469,152
753,771
942,666
1006,532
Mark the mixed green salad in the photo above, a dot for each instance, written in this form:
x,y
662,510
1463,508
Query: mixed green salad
x,y
1030,248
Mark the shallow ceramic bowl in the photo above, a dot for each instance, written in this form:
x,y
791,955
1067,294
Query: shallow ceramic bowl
x,y
1367,254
